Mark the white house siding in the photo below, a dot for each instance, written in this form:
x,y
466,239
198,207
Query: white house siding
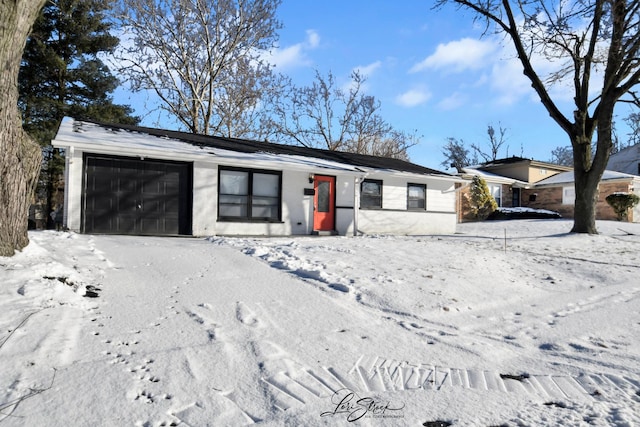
x,y
296,211
394,218
205,196
636,209
297,208
409,223
73,189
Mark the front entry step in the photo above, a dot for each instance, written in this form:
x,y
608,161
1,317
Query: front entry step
x,y
324,233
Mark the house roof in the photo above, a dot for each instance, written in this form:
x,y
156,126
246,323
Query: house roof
x,y
249,146
567,178
516,159
625,160
492,177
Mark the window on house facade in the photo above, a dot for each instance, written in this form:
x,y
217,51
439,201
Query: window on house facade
x,y
416,197
496,192
249,195
371,194
568,195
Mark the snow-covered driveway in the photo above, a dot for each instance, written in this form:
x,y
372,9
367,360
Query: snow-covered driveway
x,y
540,328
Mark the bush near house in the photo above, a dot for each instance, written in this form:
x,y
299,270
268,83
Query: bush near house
x,y
481,201
621,203
523,213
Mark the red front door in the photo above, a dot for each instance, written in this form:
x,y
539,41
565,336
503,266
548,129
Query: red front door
x,y
324,203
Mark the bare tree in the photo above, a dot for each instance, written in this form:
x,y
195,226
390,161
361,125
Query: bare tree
x,y
202,58
20,156
456,154
562,156
583,38
633,121
326,116
496,141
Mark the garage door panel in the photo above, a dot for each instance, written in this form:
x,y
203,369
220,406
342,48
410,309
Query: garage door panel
x,y
130,196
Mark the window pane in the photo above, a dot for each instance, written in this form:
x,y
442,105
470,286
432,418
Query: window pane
x,y
266,211
496,192
371,194
265,184
416,197
416,192
234,182
323,196
233,200
416,204
568,195
370,188
233,206
249,195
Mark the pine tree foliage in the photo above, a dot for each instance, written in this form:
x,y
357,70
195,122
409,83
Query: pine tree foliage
x,y
481,201
622,203
61,74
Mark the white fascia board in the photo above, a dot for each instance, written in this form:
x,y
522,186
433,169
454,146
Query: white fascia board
x,y
265,160
436,177
129,151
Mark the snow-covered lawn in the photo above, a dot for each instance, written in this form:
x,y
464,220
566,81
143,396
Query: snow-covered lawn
x,y
504,323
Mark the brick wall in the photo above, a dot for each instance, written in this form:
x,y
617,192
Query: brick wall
x,y
550,198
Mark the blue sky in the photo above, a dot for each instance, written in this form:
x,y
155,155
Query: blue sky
x,y
432,71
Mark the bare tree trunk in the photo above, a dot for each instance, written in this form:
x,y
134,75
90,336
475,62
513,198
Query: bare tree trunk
x,y
584,219
589,167
20,156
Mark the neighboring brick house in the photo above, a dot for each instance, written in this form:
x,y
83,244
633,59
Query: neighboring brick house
x,y
506,191
507,180
558,194
519,182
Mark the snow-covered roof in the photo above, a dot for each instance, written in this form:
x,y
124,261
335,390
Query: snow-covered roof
x,y
568,178
626,160
141,141
492,177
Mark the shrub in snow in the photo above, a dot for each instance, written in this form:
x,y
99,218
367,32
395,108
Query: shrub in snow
x,y
621,203
522,213
481,201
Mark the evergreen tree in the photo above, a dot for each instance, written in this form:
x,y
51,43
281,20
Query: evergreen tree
x,y
62,75
481,201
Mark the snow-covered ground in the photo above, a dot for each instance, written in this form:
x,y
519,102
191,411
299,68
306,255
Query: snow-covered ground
x,y
504,323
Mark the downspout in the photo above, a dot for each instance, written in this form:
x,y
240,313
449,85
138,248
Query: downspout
x,y
356,201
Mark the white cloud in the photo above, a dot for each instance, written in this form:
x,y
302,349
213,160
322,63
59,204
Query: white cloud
x,y
413,97
313,39
295,55
508,82
367,70
453,101
459,55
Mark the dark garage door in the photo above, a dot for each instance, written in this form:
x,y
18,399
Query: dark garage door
x,y
131,196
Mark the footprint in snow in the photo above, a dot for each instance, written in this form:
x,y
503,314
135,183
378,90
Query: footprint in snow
x,y
245,315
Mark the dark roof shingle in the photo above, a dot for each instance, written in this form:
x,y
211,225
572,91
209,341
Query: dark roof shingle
x,y
249,146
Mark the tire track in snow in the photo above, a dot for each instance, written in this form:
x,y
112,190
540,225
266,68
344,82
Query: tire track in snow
x,y
376,374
